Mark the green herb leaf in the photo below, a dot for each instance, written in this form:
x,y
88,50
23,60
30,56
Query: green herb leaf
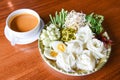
x,y
95,22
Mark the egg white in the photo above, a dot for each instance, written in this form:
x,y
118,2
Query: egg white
x,y
47,54
58,46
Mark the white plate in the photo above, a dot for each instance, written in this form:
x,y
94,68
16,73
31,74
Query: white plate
x,y
31,39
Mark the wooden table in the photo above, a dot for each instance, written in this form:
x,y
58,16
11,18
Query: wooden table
x,y
23,62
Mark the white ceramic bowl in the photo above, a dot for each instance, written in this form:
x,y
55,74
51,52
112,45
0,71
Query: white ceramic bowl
x,y
23,37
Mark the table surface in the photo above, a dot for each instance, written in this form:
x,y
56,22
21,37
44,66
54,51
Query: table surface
x,y
23,62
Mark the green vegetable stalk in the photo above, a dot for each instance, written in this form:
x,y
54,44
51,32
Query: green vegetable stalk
x,y
59,19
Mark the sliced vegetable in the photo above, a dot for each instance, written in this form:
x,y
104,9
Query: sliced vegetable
x,y
68,34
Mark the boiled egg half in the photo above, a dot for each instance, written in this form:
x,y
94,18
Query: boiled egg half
x,y
57,47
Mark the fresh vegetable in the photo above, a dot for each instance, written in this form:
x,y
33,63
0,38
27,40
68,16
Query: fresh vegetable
x,y
95,22
51,33
68,34
59,19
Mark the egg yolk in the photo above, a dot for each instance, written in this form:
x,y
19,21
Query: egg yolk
x,y
61,47
53,54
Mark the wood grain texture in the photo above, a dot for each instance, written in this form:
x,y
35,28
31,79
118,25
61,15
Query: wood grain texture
x,y
23,62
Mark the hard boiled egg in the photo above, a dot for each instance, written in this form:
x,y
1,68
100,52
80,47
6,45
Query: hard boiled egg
x,y
50,54
58,46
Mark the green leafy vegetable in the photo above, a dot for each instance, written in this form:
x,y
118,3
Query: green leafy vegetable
x,y
59,19
95,22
